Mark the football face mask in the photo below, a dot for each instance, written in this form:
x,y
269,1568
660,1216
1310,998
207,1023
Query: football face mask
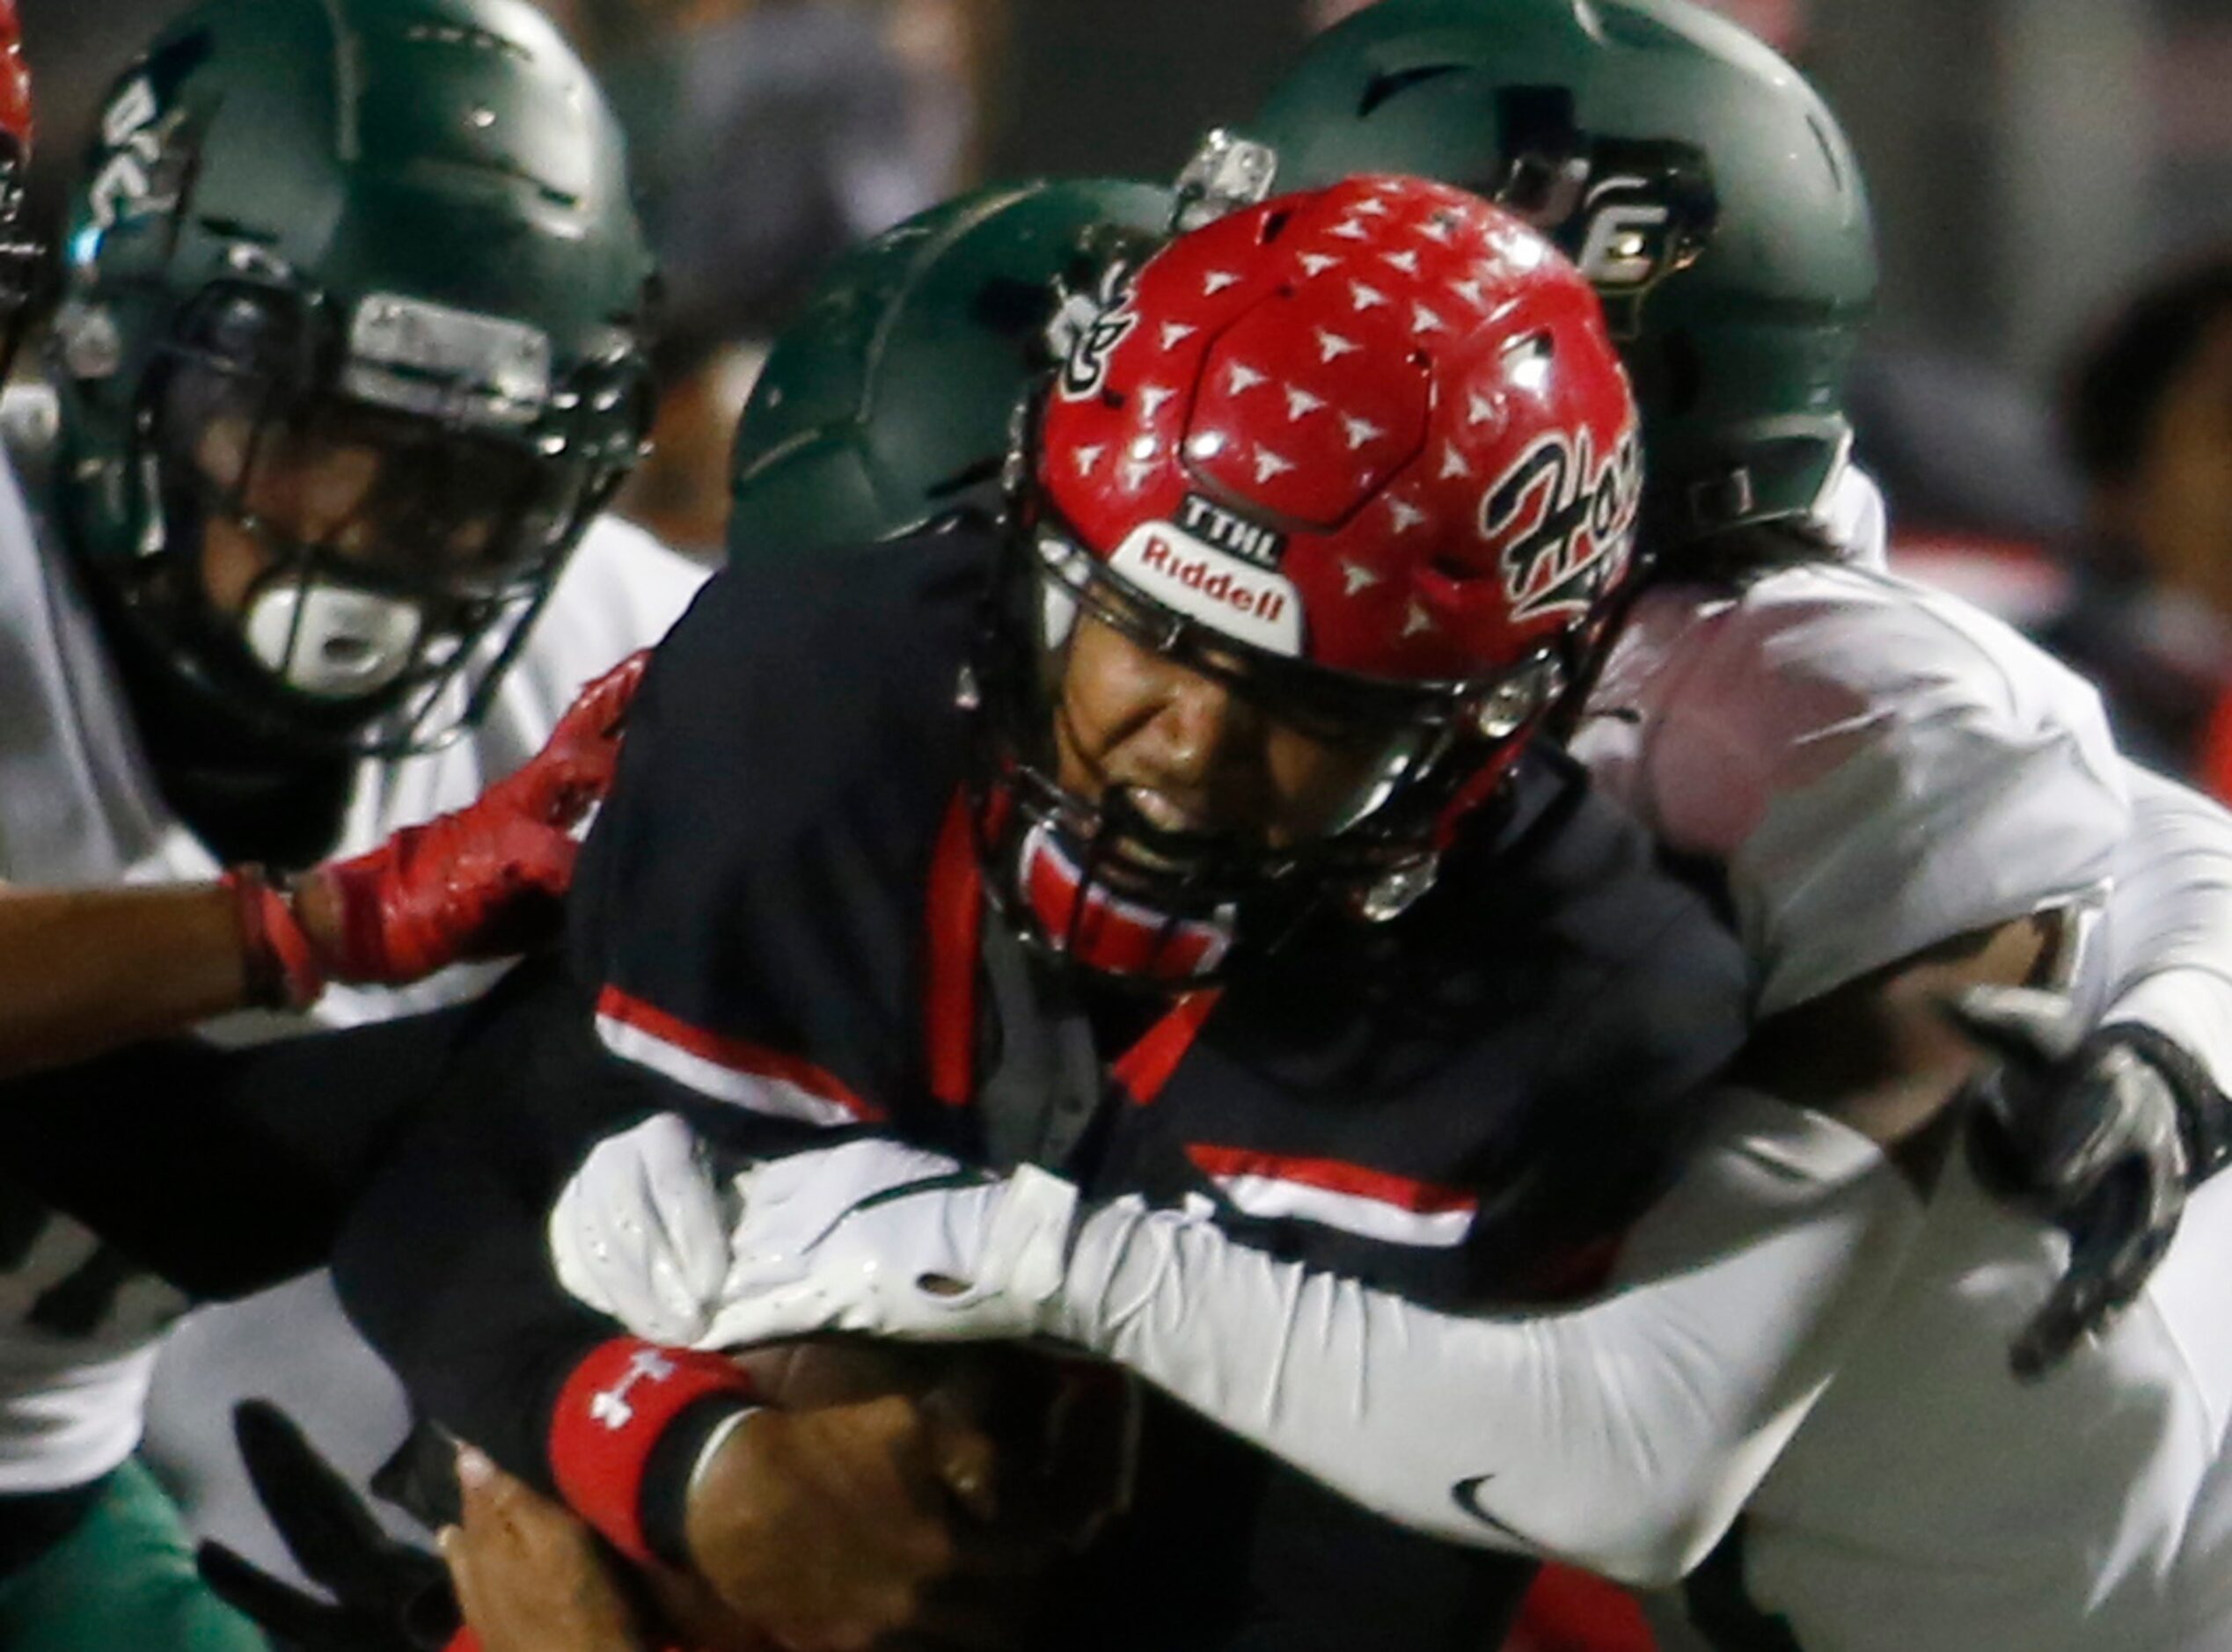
x,y
358,532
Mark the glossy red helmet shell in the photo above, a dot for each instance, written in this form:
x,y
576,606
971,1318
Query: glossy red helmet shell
x,y
15,82
1380,428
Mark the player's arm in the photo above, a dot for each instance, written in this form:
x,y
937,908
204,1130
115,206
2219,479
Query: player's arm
x,y
86,970
83,970
820,1525
2169,925
1622,1434
223,1170
2102,1126
1876,768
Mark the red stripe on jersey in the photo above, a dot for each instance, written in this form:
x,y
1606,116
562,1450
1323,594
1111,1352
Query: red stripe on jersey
x,y
1423,1198
952,918
737,1054
1143,1070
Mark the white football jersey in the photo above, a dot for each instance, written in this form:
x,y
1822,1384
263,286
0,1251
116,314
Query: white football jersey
x,y
1874,766
1931,1502
79,805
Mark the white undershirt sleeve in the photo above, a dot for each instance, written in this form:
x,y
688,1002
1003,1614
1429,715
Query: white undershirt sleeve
x,y
1622,1434
2170,921
1874,767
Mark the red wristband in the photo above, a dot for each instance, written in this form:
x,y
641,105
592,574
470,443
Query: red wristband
x,y
611,1416
281,968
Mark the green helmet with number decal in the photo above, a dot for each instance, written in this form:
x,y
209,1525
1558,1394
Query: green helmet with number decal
x,y
888,403
350,350
1691,172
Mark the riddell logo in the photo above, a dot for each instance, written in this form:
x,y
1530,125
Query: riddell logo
x,y
1195,578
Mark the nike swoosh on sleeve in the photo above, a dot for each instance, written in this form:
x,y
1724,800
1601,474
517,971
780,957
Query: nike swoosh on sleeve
x,y
1466,1493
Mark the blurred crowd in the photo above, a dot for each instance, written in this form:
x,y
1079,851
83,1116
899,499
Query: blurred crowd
x,y
767,134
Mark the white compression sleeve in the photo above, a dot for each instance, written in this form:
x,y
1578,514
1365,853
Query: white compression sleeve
x,y
1622,1434
2170,921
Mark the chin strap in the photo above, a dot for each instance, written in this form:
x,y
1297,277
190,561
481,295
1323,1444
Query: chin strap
x,y
1084,920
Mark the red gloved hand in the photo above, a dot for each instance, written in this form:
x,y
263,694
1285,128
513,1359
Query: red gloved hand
x,y
482,882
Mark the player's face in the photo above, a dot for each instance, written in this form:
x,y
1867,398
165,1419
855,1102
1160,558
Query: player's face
x,y
2178,507
1194,754
355,484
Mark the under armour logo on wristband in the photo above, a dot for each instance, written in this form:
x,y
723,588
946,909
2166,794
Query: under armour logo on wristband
x,y
609,1406
612,1415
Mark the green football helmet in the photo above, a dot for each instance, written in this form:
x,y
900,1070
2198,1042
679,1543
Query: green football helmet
x,y
888,404
350,351
1691,172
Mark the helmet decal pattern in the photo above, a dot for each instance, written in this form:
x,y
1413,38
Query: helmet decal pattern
x,y
1379,427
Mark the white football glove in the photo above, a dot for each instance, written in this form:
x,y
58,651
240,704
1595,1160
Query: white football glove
x,y
878,1237
641,1232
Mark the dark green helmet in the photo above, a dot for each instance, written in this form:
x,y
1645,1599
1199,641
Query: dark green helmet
x,y
1690,172
350,351
887,402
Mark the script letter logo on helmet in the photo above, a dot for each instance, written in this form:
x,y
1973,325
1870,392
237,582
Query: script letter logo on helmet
x,y
1564,521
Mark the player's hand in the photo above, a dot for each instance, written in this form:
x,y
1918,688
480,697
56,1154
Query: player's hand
x,y
387,1597
876,1236
2101,1134
483,882
528,1574
831,1529
641,1233
872,1235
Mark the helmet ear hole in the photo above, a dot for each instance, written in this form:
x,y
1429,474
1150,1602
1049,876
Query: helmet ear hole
x,y
1273,226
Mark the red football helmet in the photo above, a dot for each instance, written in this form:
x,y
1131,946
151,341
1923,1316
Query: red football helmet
x,y
1366,453
21,256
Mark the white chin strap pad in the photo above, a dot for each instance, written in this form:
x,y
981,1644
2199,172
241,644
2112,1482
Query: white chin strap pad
x,y
333,642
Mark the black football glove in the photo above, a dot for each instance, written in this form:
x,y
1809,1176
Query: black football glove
x,y
387,1597
2102,1133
